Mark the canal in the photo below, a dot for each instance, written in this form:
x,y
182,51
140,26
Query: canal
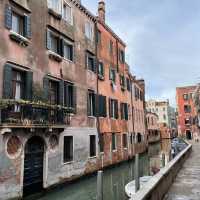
x,y
114,178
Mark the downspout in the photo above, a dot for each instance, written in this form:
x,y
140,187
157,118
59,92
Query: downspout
x,y
97,85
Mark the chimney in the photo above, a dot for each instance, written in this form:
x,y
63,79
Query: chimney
x,y
101,10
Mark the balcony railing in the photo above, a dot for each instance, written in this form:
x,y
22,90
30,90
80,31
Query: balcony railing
x,y
26,113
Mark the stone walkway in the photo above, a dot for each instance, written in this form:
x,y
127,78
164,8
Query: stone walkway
x,y
187,182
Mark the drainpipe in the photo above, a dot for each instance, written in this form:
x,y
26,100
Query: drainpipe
x,y
97,85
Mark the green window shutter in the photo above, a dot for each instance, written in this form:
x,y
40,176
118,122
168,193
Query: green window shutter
x,y
46,88
88,104
28,85
126,111
110,108
61,47
95,65
86,60
48,39
8,17
27,26
7,82
74,99
61,93
104,106
116,110
121,110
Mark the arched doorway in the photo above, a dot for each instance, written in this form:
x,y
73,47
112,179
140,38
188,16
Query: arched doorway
x,y
188,135
33,166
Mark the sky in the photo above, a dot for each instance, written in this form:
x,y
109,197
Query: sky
x,y
163,41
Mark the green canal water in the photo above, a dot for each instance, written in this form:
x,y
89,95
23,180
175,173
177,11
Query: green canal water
x,y
115,178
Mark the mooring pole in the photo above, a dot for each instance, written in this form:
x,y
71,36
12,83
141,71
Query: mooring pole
x,y
163,160
137,175
100,185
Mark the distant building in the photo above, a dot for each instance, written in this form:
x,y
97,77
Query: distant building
x,y
166,113
186,111
152,127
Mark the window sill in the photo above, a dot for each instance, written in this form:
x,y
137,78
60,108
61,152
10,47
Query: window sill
x,y
101,77
55,14
126,148
93,157
89,70
18,38
92,117
68,163
70,61
54,56
114,151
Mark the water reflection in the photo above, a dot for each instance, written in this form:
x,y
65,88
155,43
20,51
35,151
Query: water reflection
x,y
114,178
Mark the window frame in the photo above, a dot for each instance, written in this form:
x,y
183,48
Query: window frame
x,y
89,30
115,144
58,10
72,160
92,104
69,44
125,142
65,3
95,148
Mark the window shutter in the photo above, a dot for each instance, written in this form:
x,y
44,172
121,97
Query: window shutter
x,y
116,110
61,93
104,107
61,47
29,85
48,40
8,17
95,65
121,110
88,104
74,99
46,88
110,74
27,26
86,60
110,108
126,111
7,82
95,105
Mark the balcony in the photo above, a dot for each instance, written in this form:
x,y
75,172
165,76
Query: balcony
x,y
33,114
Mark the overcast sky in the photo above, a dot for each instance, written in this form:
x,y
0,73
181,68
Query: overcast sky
x,y
163,41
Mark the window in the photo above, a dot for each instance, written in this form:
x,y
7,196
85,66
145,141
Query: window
x,y
18,85
68,51
124,111
68,149
67,13
90,61
121,56
102,108
53,92
187,108
101,69
113,107
164,117
55,5
89,30
99,37
185,97
122,81
17,23
91,103
128,84
53,41
187,121
139,138
60,45
69,95
114,142
92,145
124,138
111,47
112,75
101,142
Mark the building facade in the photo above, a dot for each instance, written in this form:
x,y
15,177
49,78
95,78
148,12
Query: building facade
x,y
153,127
69,104
186,111
165,112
